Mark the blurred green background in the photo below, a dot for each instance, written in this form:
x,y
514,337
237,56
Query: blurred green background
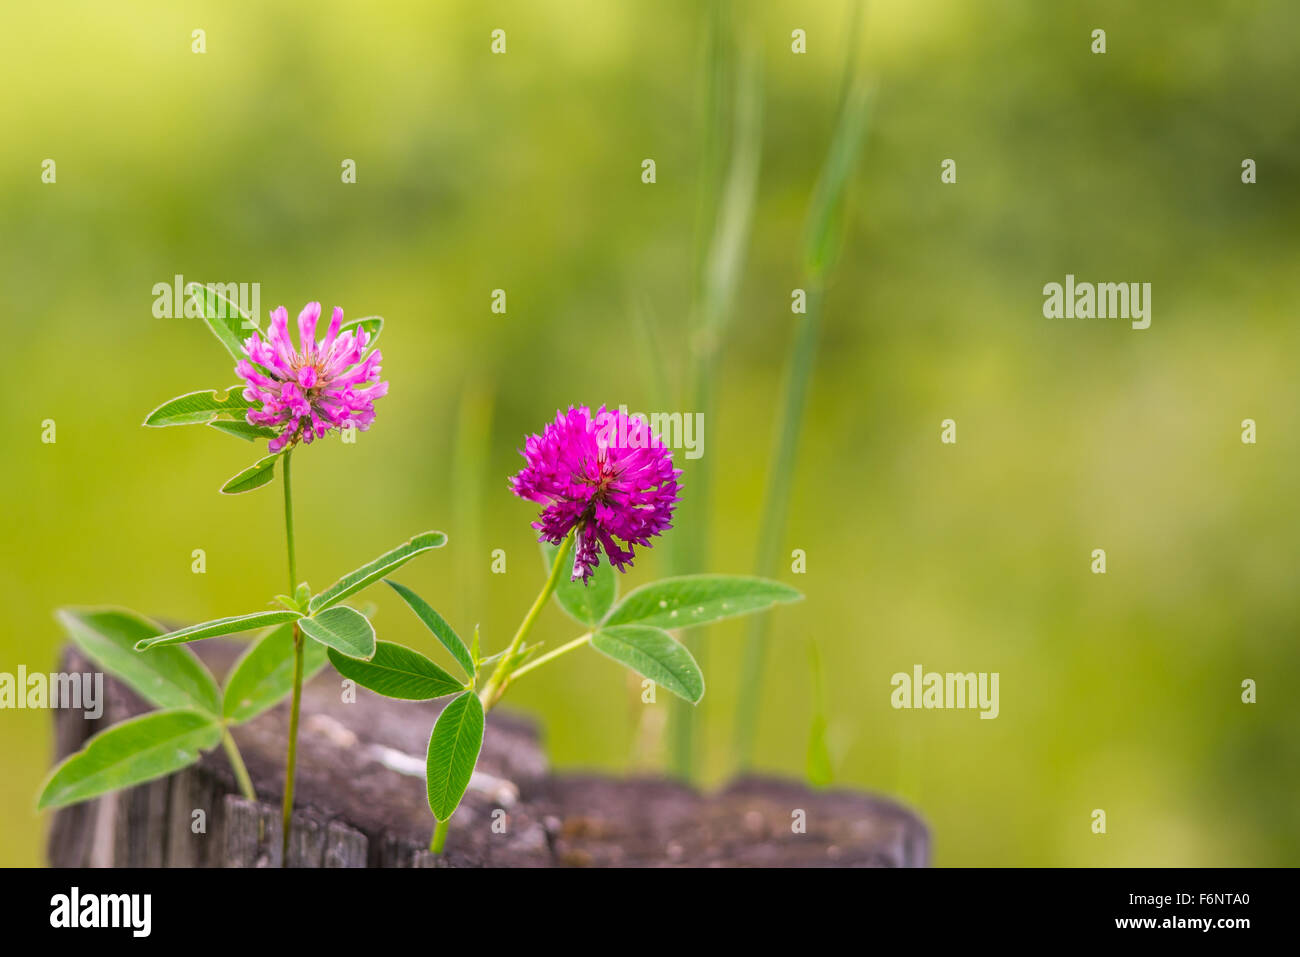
x,y
522,172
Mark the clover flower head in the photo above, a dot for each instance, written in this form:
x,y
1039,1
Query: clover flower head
x,y
320,386
608,475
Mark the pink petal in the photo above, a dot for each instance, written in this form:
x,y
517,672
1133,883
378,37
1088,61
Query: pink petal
x,y
307,327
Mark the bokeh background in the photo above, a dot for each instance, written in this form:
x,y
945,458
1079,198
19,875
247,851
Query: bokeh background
x,y
522,172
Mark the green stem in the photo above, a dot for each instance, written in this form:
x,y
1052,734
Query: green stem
x,y
821,248
237,763
551,655
439,839
288,525
502,675
291,759
772,522
496,685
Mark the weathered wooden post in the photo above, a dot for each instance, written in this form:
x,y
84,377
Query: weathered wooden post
x,y
361,802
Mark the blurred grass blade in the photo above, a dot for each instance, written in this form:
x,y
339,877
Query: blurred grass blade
x,y
824,232
726,257
470,476
643,315
822,244
719,276
776,502
817,766
729,214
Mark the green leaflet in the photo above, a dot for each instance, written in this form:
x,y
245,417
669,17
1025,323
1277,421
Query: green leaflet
x,y
445,634
585,603
168,678
199,408
243,430
698,599
263,675
817,764
256,475
453,751
230,324
397,672
377,569
132,752
822,234
373,325
656,655
219,626
343,629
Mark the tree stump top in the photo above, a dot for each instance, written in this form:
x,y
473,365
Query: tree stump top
x,y
360,801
